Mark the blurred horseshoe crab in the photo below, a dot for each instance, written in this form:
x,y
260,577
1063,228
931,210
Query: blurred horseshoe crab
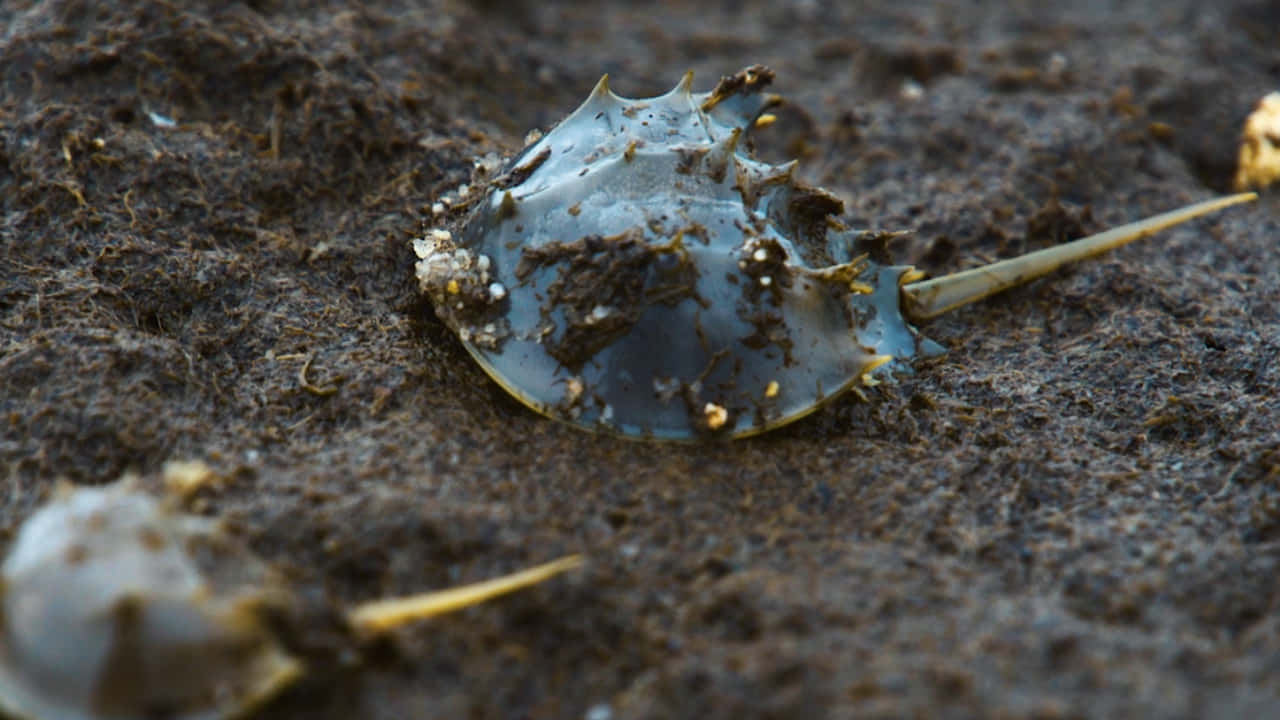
x,y
637,271
114,607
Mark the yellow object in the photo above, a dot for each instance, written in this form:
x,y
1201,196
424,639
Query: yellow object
x,y
382,615
1258,165
930,298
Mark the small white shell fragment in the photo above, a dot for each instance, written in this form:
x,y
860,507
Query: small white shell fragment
x,y
159,120
716,415
598,314
106,614
1258,164
572,390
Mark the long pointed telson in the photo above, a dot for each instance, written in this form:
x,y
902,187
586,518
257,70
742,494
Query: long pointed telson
x,y
930,298
382,615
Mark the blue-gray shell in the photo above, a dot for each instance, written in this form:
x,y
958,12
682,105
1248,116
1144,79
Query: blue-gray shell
x,y
636,270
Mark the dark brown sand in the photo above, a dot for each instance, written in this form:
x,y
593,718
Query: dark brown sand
x,y
1074,513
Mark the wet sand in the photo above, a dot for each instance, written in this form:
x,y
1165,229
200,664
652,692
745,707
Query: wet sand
x,y
1074,513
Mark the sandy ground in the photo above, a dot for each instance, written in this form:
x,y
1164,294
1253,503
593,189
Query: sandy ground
x,y
1074,513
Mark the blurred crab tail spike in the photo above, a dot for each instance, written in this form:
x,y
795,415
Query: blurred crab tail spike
x,y
930,298
380,616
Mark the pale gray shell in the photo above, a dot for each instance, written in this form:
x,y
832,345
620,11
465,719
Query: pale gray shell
x,y
637,270
106,613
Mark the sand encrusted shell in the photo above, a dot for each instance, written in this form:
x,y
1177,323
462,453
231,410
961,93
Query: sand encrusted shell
x,y
637,270
115,607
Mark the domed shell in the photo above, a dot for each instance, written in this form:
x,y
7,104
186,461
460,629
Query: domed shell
x,y
113,607
636,270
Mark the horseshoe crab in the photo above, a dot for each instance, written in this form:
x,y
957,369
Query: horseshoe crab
x,y
113,606
637,271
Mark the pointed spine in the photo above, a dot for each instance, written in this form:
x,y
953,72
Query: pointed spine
x,y
777,179
601,90
684,88
600,99
717,160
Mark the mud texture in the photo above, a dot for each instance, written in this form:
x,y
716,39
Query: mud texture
x,y
204,254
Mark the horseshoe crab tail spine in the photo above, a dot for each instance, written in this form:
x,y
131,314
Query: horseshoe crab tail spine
x,y
930,298
382,615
